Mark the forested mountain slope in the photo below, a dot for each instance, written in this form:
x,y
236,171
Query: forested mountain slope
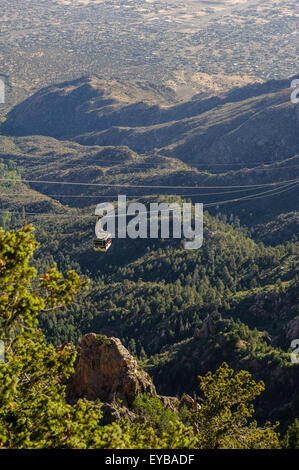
x,y
180,312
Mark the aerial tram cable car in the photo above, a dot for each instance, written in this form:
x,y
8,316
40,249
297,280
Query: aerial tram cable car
x,y
103,239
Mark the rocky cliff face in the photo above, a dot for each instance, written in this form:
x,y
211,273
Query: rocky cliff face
x,y
292,329
105,369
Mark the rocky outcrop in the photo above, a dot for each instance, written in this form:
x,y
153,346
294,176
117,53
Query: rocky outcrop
x,y
170,402
292,329
212,324
189,402
113,413
105,369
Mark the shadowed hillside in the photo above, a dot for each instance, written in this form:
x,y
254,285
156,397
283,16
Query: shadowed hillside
x,y
257,122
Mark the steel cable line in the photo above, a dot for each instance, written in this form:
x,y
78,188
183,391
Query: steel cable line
x,y
129,196
124,185
272,192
